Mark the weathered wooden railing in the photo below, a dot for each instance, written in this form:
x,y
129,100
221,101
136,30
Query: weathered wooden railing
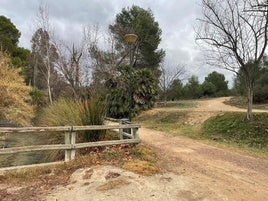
x,y
70,145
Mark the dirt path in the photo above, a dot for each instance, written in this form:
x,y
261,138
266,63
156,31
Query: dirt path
x,y
214,173
193,171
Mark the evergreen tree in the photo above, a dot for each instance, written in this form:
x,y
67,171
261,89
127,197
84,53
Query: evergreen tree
x,y
129,73
9,39
141,22
219,82
192,89
175,91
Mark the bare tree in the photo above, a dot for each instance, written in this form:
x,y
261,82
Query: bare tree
x,y
170,74
104,57
235,31
44,48
69,66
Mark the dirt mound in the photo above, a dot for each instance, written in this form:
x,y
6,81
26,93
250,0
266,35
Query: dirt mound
x,y
112,183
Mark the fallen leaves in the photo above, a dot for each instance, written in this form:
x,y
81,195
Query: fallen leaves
x,y
43,181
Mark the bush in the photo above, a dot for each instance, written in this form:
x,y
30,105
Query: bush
x,y
61,113
93,113
14,94
235,128
39,97
260,94
136,90
75,113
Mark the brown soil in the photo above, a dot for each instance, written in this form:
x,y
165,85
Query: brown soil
x,y
214,173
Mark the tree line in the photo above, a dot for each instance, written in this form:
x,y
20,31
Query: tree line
x,y
54,69
130,77
214,85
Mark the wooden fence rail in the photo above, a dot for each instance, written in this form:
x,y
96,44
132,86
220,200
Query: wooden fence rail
x,y
70,145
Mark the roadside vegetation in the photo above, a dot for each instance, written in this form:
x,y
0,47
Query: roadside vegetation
x,y
233,128
241,102
34,182
55,84
225,128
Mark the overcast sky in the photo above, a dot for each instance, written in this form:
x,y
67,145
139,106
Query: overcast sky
x,y
176,18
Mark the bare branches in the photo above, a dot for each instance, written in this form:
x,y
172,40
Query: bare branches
x,y
230,26
170,74
103,53
69,66
235,32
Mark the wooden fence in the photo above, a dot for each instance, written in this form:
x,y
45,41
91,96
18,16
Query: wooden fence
x,y
70,146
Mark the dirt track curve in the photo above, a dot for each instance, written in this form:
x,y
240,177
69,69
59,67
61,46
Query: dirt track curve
x,y
214,173
193,171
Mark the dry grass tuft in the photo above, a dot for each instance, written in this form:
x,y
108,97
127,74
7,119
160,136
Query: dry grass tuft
x,y
141,167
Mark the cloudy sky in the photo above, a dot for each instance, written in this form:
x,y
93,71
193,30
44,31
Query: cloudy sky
x,y
176,18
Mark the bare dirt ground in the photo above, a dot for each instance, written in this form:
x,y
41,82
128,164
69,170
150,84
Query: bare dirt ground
x,y
214,173
192,170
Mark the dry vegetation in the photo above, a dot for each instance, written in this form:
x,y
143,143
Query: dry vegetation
x,y
28,184
14,94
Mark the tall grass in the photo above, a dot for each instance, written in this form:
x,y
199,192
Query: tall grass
x,y
67,112
63,112
93,113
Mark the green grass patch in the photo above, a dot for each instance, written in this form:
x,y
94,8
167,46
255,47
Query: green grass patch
x,y
161,117
241,102
172,122
177,104
235,128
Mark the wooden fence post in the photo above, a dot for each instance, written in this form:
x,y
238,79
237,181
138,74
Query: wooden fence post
x,y
67,142
70,140
128,133
73,138
135,133
121,131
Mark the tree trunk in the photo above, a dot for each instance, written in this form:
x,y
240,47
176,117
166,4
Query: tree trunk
x,y
249,100
165,94
48,86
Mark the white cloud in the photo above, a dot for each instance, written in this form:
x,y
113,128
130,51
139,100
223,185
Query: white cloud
x,y
175,18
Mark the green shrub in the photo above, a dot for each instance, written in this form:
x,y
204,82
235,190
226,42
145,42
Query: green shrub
x,y
235,128
93,113
39,97
260,94
62,113
66,112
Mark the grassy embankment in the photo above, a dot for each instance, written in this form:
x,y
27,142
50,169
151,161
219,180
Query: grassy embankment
x,y
241,102
225,128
